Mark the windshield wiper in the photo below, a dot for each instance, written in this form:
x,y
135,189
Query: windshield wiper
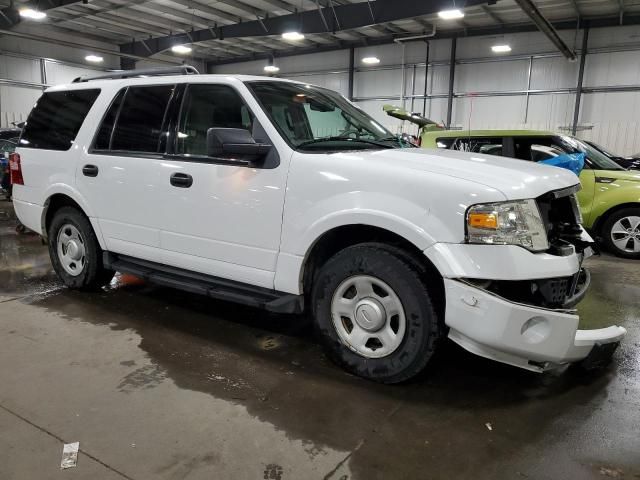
x,y
346,139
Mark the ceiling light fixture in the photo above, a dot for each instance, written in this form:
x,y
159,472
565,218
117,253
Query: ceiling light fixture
x,y
371,60
94,58
501,48
452,14
292,36
32,14
271,69
181,49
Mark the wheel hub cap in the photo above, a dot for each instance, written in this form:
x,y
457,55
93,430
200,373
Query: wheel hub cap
x,y
71,250
370,314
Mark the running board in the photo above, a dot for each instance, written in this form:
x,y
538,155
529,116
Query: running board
x,y
214,287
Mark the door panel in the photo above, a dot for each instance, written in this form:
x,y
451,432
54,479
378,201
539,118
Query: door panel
x,y
126,155
228,221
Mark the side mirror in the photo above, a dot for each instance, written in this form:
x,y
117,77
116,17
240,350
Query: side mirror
x,y
235,144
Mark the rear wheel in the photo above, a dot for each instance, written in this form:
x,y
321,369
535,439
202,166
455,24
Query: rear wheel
x,y
74,250
375,313
621,233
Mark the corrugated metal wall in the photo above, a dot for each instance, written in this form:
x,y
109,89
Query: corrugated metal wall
x,y
531,87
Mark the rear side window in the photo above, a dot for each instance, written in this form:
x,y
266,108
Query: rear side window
x,y
56,119
140,120
488,145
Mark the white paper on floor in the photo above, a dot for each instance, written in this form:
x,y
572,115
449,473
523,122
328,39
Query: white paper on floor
x,y
70,455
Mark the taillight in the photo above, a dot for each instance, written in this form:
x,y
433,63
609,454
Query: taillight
x,y
419,142
15,168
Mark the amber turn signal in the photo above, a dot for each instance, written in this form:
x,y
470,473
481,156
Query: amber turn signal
x,y
483,220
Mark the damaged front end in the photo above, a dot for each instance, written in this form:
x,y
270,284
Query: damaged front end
x,y
532,323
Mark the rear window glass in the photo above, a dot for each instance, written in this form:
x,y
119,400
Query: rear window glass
x,y
56,119
139,124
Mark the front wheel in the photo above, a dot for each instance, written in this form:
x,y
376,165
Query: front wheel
x,y
375,314
74,250
621,233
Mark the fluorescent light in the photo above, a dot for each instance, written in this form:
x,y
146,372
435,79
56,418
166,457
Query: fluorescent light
x,y
292,36
32,14
371,60
451,14
271,68
181,49
94,58
501,48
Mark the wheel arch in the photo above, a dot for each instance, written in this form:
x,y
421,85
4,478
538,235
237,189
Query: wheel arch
x,y
55,202
600,221
340,237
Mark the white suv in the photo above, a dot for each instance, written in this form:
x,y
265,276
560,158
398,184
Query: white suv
x,y
286,196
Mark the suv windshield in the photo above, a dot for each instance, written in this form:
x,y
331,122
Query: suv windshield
x,y
312,118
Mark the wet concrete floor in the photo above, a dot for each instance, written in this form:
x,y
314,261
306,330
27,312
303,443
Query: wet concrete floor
x,y
160,384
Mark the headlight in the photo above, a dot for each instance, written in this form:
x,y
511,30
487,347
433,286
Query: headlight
x,y
507,223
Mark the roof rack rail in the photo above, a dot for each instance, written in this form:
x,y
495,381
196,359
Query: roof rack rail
x,y
147,72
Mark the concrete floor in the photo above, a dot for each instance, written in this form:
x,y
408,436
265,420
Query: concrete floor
x,y
159,384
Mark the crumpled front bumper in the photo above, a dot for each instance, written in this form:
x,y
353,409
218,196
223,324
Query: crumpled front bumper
x,y
525,336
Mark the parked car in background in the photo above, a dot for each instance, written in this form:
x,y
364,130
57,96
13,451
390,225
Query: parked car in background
x,y
630,163
286,196
10,133
610,195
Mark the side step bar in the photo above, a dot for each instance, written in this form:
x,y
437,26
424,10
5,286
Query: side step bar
x,y
214,287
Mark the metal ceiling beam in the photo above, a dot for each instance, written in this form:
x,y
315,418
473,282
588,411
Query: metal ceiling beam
x,y
545,27
491,14
470,32
338,17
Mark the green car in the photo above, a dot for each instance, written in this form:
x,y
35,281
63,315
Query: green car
x,y
610,195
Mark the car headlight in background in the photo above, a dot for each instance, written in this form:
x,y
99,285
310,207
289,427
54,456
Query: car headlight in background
x,y
507,223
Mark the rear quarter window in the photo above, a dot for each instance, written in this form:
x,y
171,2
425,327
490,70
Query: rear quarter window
x,y
56,119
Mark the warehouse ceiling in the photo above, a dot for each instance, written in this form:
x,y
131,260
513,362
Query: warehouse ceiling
x,y
230,30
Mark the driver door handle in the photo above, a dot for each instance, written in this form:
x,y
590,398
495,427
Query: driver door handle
x,y
181,180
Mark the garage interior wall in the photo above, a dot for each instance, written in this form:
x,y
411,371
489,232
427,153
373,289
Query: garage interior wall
x,y
27,67
532,87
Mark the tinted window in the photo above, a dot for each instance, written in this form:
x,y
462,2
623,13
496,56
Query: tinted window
x,y
205,107
103,138
139,124
55,120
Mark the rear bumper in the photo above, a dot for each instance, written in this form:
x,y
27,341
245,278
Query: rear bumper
x,y
521,335
29,214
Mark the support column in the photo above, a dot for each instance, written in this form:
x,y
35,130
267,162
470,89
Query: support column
x,y
583,57
351,72
452,73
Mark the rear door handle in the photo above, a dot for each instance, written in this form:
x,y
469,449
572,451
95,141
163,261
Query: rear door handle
x,y
90,171
181,180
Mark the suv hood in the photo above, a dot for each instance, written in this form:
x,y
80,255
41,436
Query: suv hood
x,y
516,179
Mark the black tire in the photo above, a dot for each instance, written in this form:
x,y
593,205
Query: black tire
x,y
93,274
608,225
424,329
